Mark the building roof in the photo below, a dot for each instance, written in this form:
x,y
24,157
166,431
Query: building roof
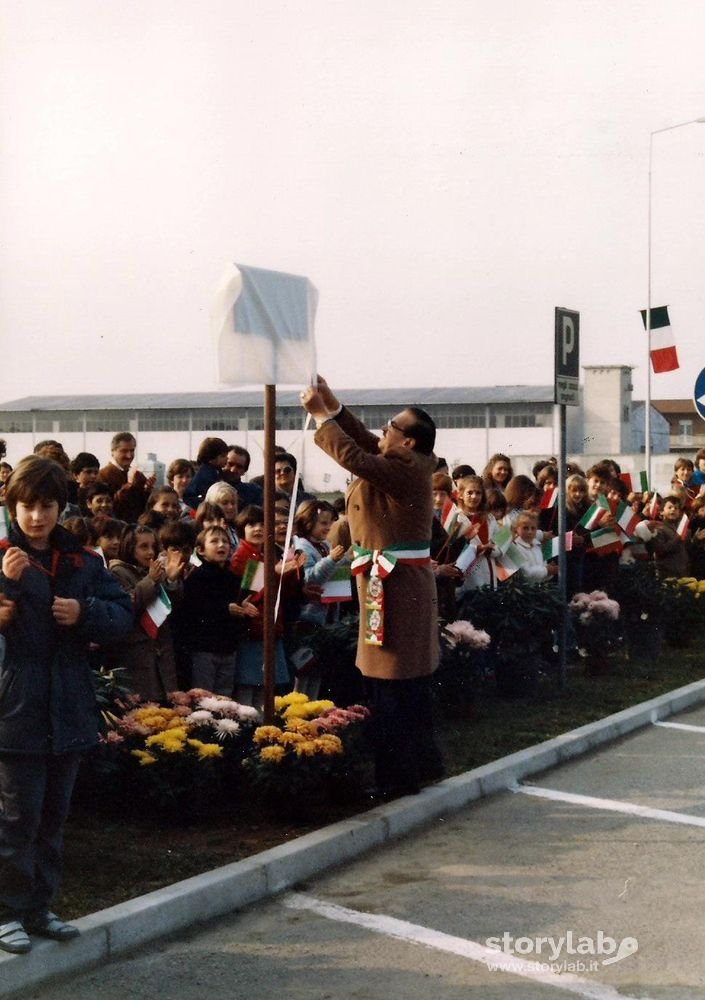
x,y
674,405
285,397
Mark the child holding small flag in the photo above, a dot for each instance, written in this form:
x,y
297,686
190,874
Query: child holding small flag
x,y
248,566
147,653
312,524
212,614
445,546
667,541
534,566
472,497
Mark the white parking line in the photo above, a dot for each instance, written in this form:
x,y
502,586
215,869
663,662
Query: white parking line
x,y
402,930
610,805
681,725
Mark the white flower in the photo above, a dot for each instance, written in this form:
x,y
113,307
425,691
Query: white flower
x,y
213,704
202,716
643,616
247,713
226,727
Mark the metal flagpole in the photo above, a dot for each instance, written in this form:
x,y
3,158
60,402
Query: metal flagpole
x,y
270,589
647,414
647,411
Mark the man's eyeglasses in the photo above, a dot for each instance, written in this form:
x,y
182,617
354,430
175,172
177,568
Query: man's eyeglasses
x,y
283,470
395,425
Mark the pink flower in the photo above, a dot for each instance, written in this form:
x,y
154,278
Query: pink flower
x,y
179,698
465,633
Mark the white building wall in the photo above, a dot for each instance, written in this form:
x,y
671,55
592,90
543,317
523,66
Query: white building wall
x,y
320,473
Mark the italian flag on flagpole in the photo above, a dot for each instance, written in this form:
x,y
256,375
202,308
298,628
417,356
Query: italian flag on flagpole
x,y
253,576
664,357
592,517
549,498
156,613
4,522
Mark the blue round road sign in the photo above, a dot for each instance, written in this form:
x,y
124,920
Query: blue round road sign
x,y
699,394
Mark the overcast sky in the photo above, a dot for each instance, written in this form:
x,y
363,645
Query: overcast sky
x,y
446,173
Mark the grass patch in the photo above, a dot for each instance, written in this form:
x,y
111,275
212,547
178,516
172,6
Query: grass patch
x,y
108,861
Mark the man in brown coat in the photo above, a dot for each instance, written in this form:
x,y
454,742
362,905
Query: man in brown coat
x,y
390,508
129,486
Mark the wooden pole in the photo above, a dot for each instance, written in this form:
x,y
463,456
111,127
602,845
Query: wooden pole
x,y
270,587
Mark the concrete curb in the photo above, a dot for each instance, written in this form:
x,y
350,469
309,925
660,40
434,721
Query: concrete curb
x,y
122,928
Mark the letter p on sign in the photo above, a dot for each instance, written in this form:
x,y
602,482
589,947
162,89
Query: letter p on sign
x,y
567,357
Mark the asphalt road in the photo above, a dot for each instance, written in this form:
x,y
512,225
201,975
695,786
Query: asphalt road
x,y
603,898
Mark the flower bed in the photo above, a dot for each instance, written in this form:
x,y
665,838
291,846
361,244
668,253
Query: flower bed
x,y
202,754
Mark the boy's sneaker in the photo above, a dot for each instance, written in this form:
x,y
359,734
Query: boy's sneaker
x,y
47,924
14,938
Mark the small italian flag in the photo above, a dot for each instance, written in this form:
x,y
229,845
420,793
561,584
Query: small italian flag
x,y
156,613
664,357
550,549
502,538
636,482
509,563
682,527
253,578
338,588
627,519
453,520
4,522
466,558
653,509
599,510
605,540
549,498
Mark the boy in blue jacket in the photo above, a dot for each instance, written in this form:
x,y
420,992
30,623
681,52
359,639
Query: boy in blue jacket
x,y
64,599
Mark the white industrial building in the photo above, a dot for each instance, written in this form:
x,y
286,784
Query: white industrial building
x,y
473,423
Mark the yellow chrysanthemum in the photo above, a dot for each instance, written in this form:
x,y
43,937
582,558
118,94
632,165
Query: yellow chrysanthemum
x,y
293,698
157,722
306,748
144,757
290,739
172,740
274,754
307,729
153,712
175,723
207,750
308,710
265,734
329,745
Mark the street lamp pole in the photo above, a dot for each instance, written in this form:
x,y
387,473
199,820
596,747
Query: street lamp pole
x,y
647,411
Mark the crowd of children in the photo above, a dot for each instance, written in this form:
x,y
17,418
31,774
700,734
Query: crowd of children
x,y
189,559
488,527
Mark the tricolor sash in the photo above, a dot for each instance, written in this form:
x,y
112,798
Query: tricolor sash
x,y
378,564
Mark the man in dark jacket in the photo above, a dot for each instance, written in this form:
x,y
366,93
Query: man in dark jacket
x,y
64,599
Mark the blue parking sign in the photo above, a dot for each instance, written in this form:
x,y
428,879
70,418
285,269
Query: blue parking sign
x,y
699,394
